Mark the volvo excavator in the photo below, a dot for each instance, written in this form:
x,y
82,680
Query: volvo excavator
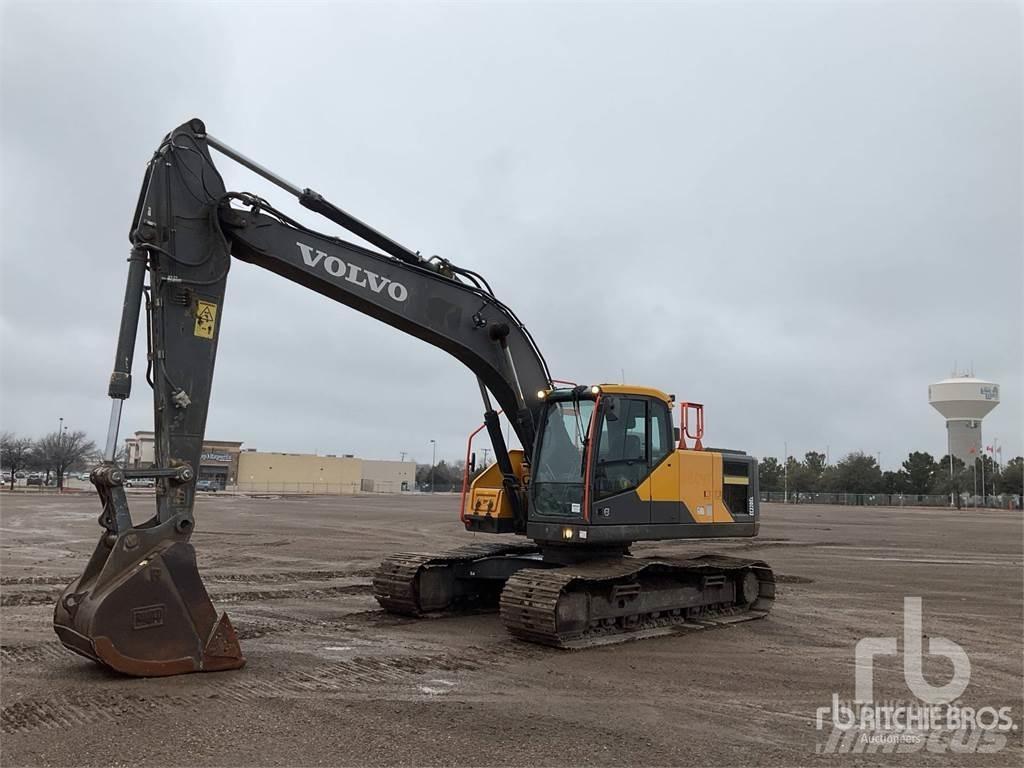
x,y
601,466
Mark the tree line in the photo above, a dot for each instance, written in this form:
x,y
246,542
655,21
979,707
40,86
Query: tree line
x,y
446,476
857,472
56,453
920,474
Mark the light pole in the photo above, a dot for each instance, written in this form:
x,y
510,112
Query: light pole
x,y
981,458
949,451
975,499
433,462
995,462
60,443
403,455
785,472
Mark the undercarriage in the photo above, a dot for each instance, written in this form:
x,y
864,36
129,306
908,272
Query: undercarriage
x,y
599,601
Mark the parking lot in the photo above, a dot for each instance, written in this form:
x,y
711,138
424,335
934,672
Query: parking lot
x,y
331,679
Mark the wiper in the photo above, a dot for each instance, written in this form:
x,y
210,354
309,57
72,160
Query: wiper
x,y
580,437
579,433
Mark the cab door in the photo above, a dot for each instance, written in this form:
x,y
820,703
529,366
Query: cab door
x,y
663,481
621,463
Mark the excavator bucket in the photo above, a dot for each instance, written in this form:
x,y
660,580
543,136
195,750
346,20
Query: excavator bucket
x,y
141,608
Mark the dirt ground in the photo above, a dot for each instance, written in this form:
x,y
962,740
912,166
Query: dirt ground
x,y
331,680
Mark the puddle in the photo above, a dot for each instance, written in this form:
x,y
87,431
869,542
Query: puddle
x,y
436,687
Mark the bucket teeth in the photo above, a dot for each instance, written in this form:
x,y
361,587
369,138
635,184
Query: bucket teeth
x,y
222,650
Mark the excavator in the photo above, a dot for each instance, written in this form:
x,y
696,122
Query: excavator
x,y
600,467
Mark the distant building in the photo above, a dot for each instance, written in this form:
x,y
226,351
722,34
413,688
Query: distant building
x,y
311,473
218,462
225,463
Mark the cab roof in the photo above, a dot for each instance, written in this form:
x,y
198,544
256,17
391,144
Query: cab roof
x,y
634,389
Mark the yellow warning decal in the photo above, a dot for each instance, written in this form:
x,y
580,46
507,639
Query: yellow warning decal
x,y
206,318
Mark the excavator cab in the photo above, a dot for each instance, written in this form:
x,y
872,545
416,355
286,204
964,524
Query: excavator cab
x,y
609,468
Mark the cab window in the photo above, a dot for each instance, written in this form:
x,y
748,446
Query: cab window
x,y
622,446
661,431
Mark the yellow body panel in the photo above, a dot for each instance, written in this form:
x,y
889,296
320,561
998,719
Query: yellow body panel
x,y
691,477
487,496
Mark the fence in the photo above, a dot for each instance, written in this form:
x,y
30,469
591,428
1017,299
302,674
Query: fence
x,y
1001,501
22,486
324,489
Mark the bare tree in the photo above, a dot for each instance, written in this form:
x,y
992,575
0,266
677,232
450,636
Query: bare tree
x,y
97,456
15,453
61,452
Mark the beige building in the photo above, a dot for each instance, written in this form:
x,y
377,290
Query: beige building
x,y
218,462
310,473
388,476
232,468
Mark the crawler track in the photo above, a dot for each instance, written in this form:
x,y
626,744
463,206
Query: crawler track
x,y
613,601
395,585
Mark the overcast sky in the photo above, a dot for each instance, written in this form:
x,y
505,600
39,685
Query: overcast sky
x,y
800,214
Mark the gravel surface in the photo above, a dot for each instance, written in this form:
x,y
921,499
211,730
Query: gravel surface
x,y
331,680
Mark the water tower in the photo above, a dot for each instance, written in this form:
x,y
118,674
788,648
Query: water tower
x,y
964,401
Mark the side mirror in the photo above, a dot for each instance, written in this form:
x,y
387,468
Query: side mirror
x,y
472,462
675,434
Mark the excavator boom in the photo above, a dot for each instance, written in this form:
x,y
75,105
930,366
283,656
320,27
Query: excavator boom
x,y
140,605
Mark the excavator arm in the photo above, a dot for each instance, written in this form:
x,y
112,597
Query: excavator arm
x,y
140,606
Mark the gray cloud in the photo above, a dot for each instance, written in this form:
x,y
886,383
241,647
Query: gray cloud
x,y
800,214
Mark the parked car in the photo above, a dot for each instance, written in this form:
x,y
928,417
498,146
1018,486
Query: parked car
x,y
207,485
140,482
35,479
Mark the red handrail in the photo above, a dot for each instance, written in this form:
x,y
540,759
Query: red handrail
x,y
465,470
684,432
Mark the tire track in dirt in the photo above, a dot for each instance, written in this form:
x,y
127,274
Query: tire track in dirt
x,y
280,594
408,673
274,577
66,711
215,576
248,625
25,653
49,597
16,598
12,580
251,625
